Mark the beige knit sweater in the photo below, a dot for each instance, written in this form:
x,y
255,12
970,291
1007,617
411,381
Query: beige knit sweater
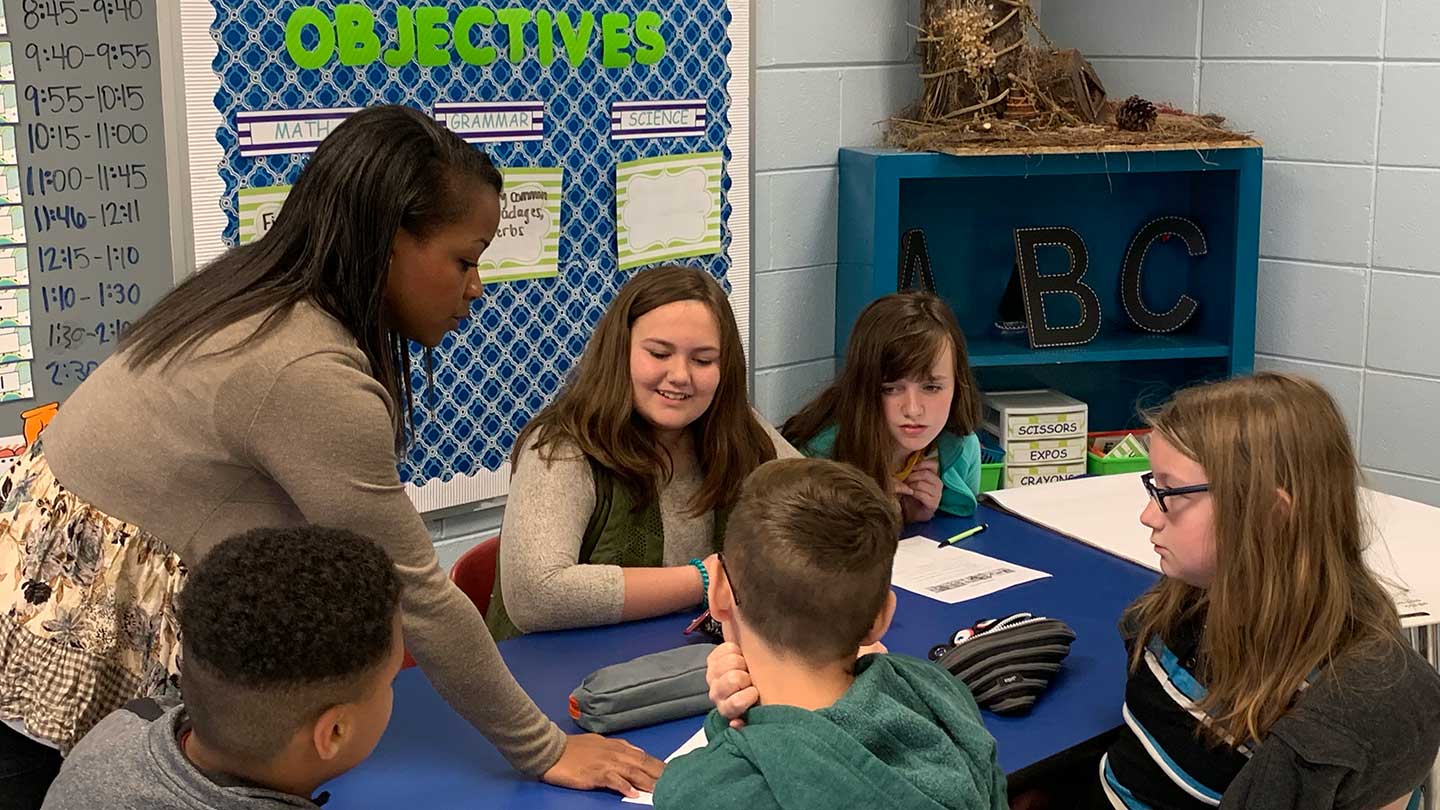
x,y
289,428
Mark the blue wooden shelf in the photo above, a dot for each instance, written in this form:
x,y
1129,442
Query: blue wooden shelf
x,y
987,351
969,206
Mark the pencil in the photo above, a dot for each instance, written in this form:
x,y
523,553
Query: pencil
x,y
967,533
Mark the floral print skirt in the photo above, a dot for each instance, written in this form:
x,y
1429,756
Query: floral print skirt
x,y
87,608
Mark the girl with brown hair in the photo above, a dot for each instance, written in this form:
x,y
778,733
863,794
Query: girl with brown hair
x,y
904,409
621,485
1267,667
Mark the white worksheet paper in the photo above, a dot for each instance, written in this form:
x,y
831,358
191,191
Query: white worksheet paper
x,y
1104,511
696,741
950,574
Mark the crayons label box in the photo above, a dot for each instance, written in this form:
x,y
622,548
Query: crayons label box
x,y
1020,476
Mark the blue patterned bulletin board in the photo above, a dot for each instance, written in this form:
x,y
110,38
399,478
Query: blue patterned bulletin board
x,y
490,379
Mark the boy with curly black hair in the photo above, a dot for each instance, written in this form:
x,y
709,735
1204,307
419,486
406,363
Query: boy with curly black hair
x,y
290,639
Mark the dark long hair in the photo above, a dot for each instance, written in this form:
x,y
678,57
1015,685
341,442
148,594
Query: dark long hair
x,y
896,337
596,410
384,168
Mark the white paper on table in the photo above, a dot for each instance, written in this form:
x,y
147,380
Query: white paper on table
x,y
1104,511
948,574
696,742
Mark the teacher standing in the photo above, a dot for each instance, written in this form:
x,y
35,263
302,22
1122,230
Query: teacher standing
x,y
271,389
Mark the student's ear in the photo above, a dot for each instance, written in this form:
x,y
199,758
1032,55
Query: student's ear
x,y
882,620
722,600
331,732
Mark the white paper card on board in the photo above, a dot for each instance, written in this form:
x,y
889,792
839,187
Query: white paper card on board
x,y
15,383
659,118
12,225
258,208
493,121
696,742
14,267
668,208
948,574
15,344
14,307
282,132
527,243
10,184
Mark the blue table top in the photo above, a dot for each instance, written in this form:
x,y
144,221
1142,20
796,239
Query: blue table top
x,y
430,757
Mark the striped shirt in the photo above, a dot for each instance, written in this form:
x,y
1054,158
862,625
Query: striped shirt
x,y
1363,732
1159,761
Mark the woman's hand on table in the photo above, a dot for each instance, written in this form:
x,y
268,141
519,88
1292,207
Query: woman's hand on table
x,y
592,762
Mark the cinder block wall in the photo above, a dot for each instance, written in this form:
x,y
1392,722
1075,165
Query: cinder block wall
x,y
827,73
1344,94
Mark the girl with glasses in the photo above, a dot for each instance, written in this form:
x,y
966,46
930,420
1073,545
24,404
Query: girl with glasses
x,y
1267,667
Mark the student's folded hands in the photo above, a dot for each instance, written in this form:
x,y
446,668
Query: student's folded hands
x,y
592,762
920,491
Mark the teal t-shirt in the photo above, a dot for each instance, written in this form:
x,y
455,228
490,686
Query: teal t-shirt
x,y
958,458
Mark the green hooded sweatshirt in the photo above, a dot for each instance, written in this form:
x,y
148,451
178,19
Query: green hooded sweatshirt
x,y
906,736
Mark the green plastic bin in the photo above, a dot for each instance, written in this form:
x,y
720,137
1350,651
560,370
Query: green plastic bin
x,y
1096,464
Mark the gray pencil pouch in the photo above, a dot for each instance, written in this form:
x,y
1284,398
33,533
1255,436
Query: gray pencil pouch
x,y
644,691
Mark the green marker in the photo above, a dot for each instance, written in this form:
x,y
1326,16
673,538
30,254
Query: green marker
x,y
967,533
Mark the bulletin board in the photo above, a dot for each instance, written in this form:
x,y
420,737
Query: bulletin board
x,y
600,134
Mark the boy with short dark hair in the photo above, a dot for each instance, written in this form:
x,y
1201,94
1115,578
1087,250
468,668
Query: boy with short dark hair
x,y
804,581
289,641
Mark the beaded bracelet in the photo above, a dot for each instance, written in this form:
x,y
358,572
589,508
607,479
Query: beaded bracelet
x,y
704,581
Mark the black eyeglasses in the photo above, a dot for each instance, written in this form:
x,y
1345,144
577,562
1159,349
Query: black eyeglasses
x,y
734,594
1159,494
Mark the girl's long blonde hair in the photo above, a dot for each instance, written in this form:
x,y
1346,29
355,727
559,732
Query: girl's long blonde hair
x,y
1291,589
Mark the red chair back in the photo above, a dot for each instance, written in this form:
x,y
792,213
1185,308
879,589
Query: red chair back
x,y
474,573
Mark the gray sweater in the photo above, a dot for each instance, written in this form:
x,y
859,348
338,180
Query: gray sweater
x,y
546,511
287,429
132,761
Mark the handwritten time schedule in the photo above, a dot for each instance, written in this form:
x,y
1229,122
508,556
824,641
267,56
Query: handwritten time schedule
x,y
84,230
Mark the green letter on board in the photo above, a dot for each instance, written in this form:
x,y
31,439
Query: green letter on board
x,y
545,27
431,37
576,39
323,50
647,35
514,20
404,50
470,17
355,30
615,36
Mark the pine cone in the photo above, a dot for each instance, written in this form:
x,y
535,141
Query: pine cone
x,y
1135,114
